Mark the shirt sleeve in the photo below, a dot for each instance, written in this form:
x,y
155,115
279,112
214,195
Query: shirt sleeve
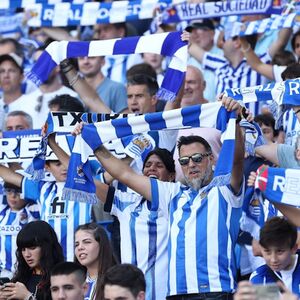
x,y
286,157
212,62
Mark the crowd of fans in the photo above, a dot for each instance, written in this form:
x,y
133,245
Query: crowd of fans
x,y
160,229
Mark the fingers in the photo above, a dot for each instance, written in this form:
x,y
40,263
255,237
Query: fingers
x,y
251,179
78,129
245,291
185,36
229,103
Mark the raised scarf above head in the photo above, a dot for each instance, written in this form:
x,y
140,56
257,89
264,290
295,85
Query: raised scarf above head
x,y
279,185
166,44
285,95
80,186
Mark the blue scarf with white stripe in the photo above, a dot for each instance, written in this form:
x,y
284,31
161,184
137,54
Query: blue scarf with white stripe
x,y
79,185
166,44
279,185
285,95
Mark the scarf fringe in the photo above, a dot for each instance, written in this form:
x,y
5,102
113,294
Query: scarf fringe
x,y
69,194
166,95
37,174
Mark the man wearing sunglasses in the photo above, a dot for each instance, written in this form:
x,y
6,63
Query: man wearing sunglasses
x,y
203,226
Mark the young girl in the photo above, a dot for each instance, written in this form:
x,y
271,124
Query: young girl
x,y
93,250
38,251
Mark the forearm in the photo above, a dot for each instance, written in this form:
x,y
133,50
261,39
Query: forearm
x,y
291,212
123,173
86,93
268,152
197,52
10,176
283,38
63,157
58,34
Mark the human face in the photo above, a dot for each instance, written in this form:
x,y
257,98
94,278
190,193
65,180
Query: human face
x,y
154,60
32,256
297,46
67,287
154,167
90,66
10,77
268,133
203,37
16,123
196,174
86,248
14,200
278,258
139,100
57,169
116,292
194,86
107,31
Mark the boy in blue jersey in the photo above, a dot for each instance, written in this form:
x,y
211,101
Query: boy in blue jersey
x,y
278,243
62,215
15,212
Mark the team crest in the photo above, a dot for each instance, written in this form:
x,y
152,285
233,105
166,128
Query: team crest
x,y
79,170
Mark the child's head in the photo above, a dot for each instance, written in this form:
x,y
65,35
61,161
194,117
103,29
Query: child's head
x,y
57,169
278,243
267,125
13,197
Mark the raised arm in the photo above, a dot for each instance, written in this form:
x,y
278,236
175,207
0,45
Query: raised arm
x,y
86,93
239,152
122,172
10,176
254,61
269,152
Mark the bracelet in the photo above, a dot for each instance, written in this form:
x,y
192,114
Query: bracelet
x,y
297,111
74,79
247,49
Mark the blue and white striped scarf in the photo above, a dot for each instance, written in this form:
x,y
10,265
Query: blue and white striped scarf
x,y
285,94
166,44
79,185
279,185
13,4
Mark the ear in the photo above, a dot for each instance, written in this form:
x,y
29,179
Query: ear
x,y
154,100
297,154
141,295
295,248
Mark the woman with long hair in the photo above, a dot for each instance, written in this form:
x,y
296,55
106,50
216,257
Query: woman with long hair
x,y
37,252
93,250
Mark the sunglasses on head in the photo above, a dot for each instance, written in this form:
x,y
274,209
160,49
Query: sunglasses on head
x,y
197,158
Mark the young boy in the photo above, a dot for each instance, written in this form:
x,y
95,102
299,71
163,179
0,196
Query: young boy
x,y
15,212
63,216
278,246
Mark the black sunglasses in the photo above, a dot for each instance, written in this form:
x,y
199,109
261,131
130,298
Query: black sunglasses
x,y
197,158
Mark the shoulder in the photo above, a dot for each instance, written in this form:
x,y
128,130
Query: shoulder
x,y
260,274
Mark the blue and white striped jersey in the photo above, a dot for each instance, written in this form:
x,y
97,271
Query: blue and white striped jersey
x,y
90,293
202,236
11,222
144,238
115,66
63,216
291,127
291,278
227,76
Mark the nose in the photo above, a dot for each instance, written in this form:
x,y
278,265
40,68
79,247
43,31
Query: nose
x,y
26,252
273,258
61,294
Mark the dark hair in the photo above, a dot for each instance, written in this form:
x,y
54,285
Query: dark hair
x,y
106,258
67,103
292,71
127,276
186,140
38,234
67,268
267,120
293,40
166,157
283,58
17,45
278,232
144,79
142,68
